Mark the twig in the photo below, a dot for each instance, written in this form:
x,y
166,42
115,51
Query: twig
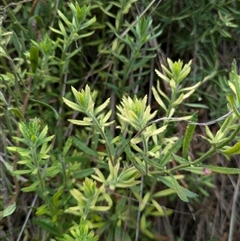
x,y
132,25
16,3
139,212
13,4
27,217
233,213
176,119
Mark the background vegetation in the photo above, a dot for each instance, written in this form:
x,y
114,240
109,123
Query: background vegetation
x,y
115,171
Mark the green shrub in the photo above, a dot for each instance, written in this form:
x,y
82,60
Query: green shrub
x,y
126,166
105,173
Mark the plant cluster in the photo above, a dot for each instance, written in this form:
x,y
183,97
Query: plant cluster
x,y
89,131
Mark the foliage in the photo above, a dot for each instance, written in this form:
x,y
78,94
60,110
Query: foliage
x,y
152,161
125,150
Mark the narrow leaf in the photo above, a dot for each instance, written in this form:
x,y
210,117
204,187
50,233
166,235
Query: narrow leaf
x,y
56,115
180,159
158,207
178,101
34,52
21,172
67,146
178,189
164,193
174,149
9,210
16,112
158,99
144,201
73,105
188,136
223,170
172,183
163,76
209,133
82,146
102,106
233,150
31,188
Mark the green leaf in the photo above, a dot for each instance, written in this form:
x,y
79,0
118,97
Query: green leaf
x,y
226,124
158,99
209,133
67,146
175,147
83,173
31,188
57,197
164,193
70,55
104,119
223,170
52,170
178,101
188,136
182,192
62,28
3,98
144,201
178,189
180,159
84,35
82,146
34,56
43,135
43,209
86,122
102,106
16,112
56,30
196,170
48,225
231,101
233,150
127,174
235,81
99,176
73,105
9,210
153,163
21,172
56,115
62,16
158,207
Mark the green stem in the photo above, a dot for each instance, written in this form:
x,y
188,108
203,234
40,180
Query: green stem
x,y
13,18
204,156
166,122
36,164
145,150
107,144
42,186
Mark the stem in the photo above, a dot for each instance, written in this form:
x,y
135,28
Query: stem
x,y
145,149
204,156
173,98
42,186
234,210
107,144
12,16
139,212
36,164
